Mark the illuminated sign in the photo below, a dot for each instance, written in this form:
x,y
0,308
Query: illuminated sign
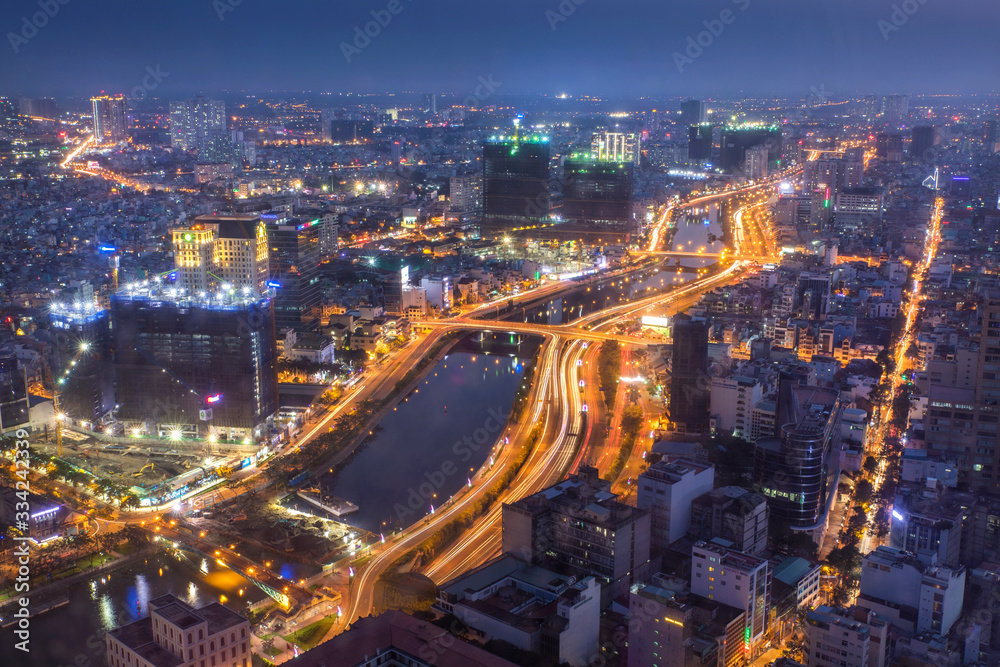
x,y
274,283
651,321
897,515
108,248
214,399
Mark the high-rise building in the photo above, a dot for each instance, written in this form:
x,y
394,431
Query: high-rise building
x,y
431,103
913,594
193,121
923,138
978,467
837,637
14,409
192,366
176,634
700,142
755,163
293,256
813,292
795,470
689,380
896,109
219,250
738,580
737,139
961,187
597,200
693,112
733,514
515,184
857,207
81,361
109,119
616,147
853,172
889,146
667,489
467,193
38,107
581,526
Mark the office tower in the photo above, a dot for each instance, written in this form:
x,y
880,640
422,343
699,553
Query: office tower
x,y
597,200
194,258
858,207
109,119
554,615
581,526
737,139
14,408
328,221
896,109
616,147
961,187
923,138
913,594
467,193
515,184
351,131
693,113
176,634
193,366
294,267
813,292
738,580
978,462
700,142
667,489
81,361
396,153
755,163
396,282
853,172
430,103
732,513
689,381
835,637
794,470
38,107
889,147
192,122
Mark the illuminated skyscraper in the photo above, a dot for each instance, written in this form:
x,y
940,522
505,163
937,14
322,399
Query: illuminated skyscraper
x,y
192,122
693,113
689,381
109,119
515,184
293,258
616,147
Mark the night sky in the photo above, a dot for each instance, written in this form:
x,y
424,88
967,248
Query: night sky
x,y
598,47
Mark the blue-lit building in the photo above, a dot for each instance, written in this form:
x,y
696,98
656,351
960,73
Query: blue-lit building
x,y
188,366
293,265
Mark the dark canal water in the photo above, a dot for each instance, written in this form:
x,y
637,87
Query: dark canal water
x,y
439,435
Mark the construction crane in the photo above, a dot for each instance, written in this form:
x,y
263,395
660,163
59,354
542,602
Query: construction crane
x,y
57,384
